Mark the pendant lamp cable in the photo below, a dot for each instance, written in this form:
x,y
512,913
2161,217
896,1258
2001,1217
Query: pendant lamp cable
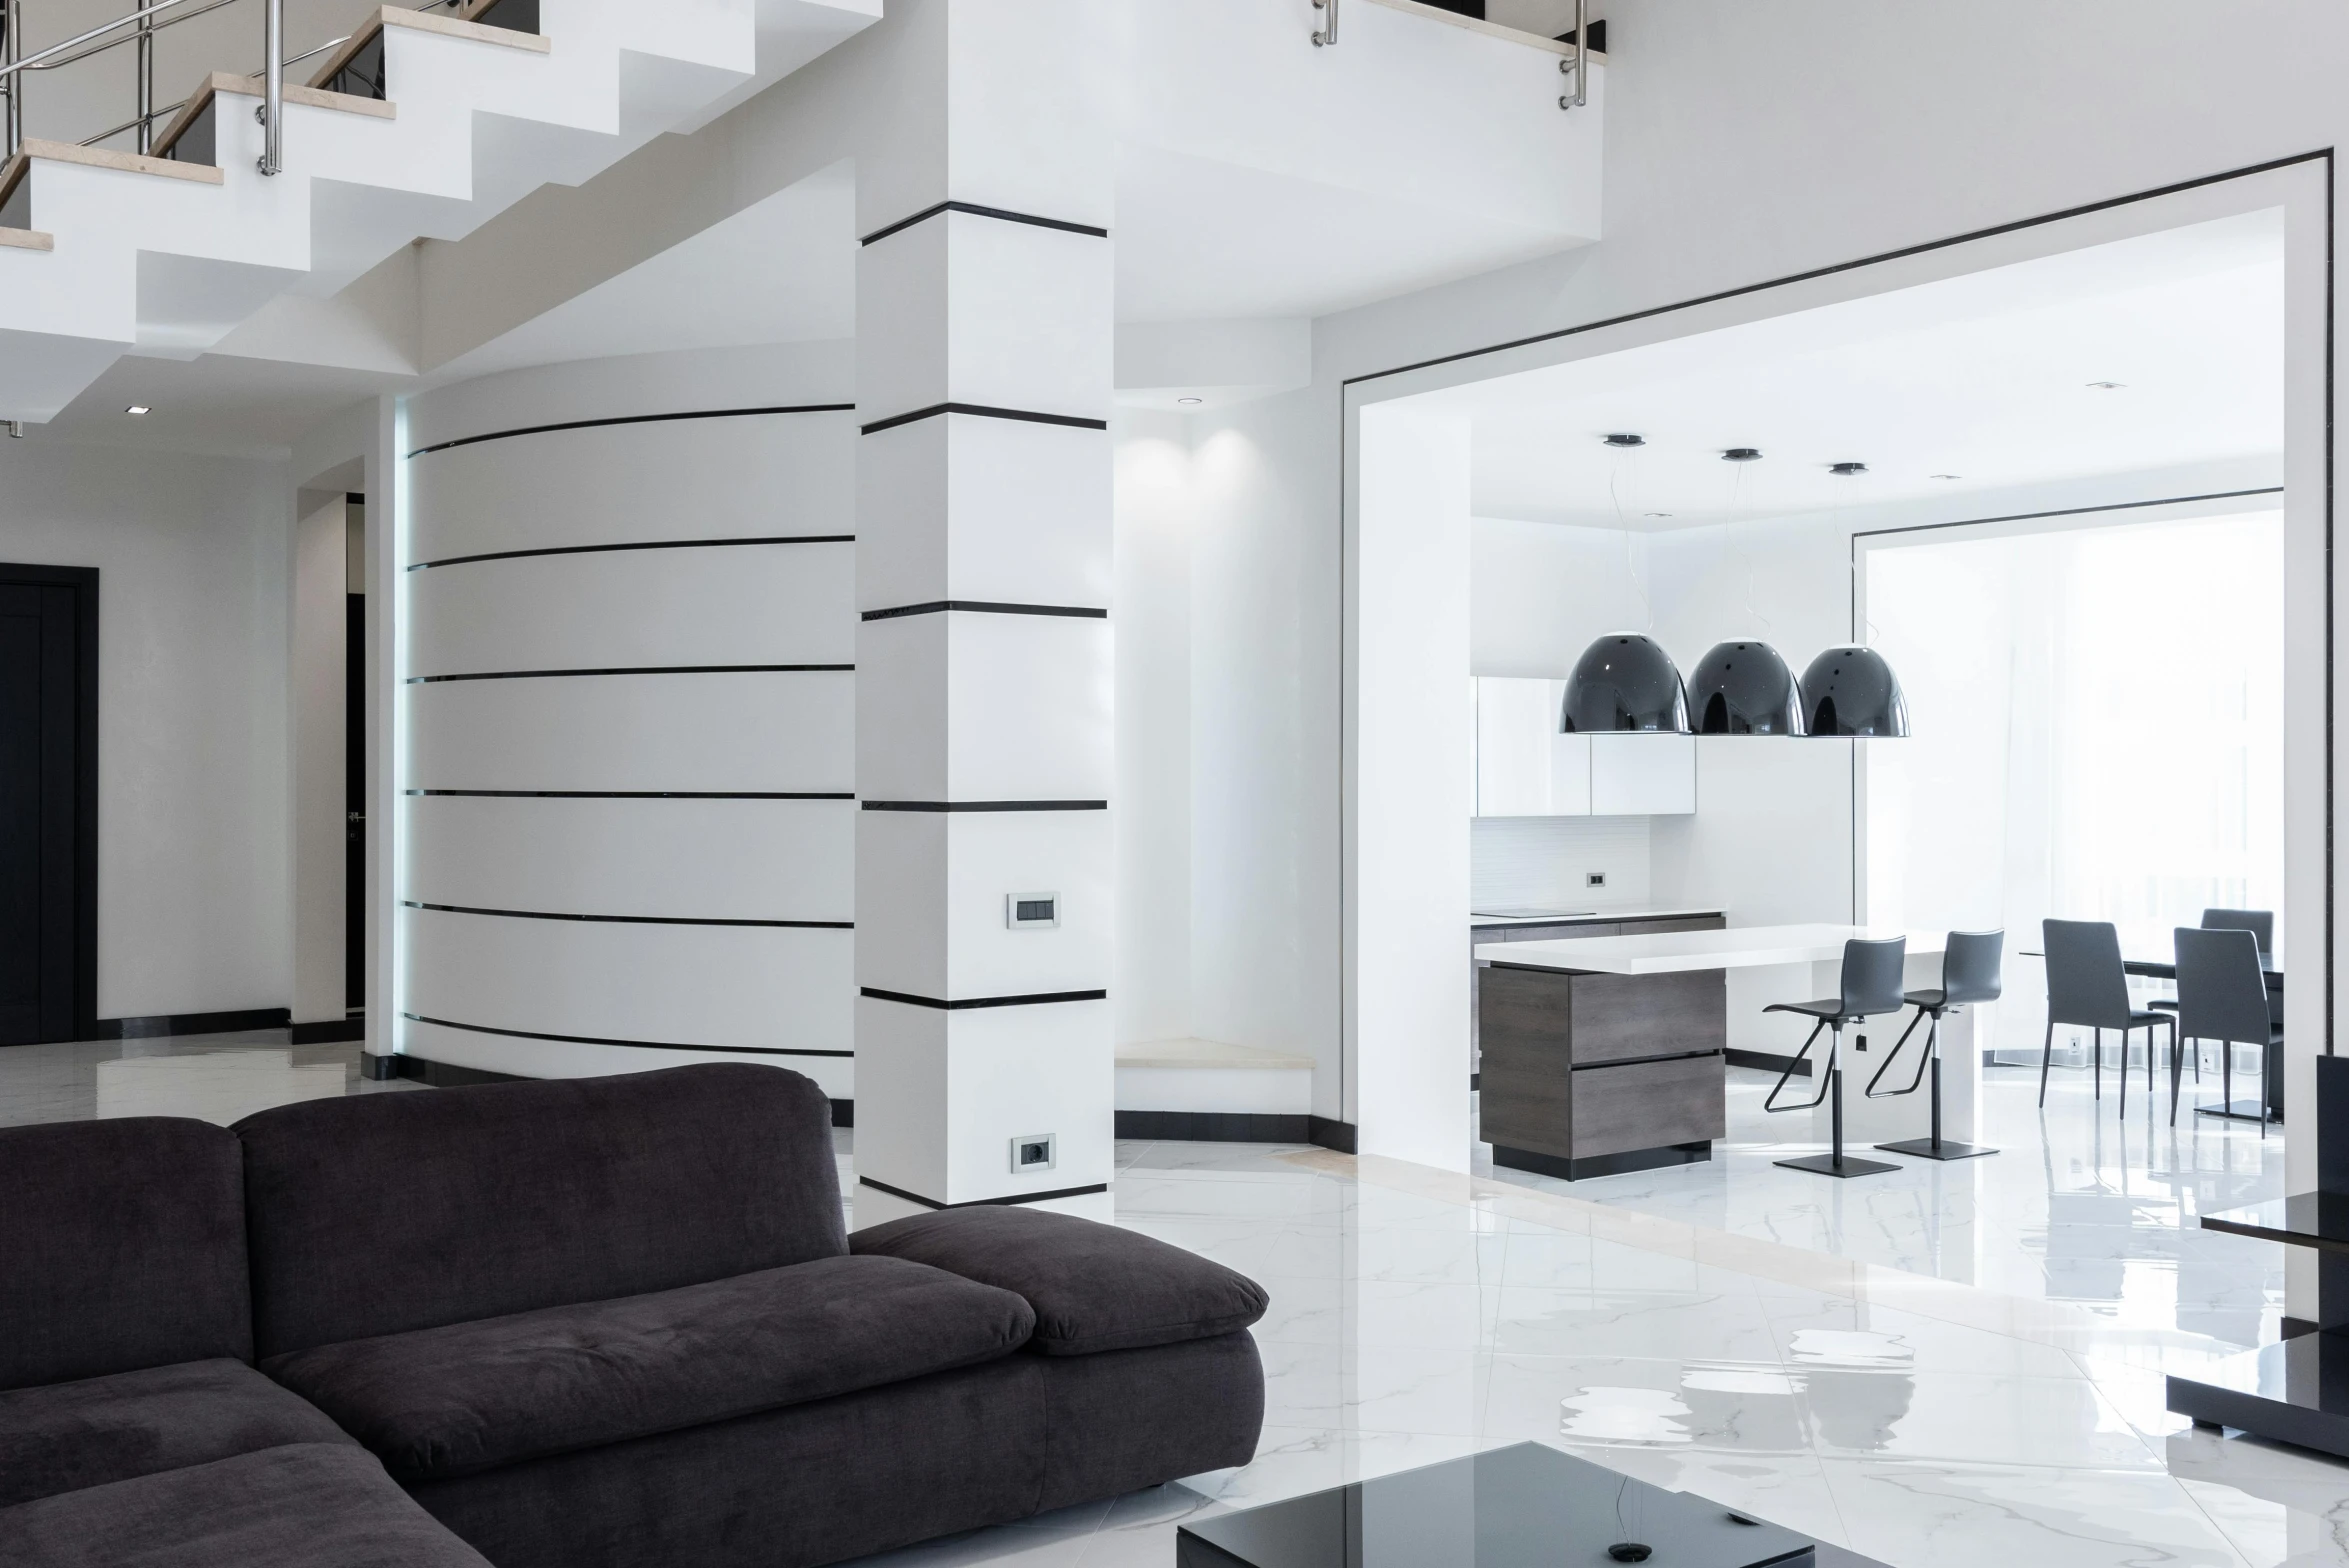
x,y
1647,606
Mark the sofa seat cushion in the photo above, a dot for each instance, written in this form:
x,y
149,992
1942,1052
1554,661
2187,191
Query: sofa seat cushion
x,y
1094,1287
68,1436
472,1396
311,1505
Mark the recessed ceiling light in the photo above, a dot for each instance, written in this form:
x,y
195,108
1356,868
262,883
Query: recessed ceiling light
x,y
1945,476
1659,514
1624,438
2106,386
1190,400
1847,470
138,408
1742,454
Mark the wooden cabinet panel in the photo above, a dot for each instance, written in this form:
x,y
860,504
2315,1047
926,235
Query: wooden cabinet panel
x,y
1620,1018
1561,933
1647,1105
1694,923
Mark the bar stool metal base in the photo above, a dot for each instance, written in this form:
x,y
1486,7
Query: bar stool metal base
x,y
2240,1111
1938,1149
1837,1165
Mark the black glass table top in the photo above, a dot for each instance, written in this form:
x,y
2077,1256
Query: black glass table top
x,y
1522,1507
2305,1219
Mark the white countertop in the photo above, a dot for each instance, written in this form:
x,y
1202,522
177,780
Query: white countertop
x,y
1604,917
1677,952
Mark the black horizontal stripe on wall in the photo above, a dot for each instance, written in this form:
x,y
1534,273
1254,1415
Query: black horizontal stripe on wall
x,y
633,1045
634,419
157,1026
632,794
1001,213
985,411
1214,1126
986,805
1039,999
640,669
630,920
983,1203
1075,612
646,544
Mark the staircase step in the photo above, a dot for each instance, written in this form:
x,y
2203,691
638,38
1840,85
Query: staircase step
x,y
251,87
27,239
446,26
13,172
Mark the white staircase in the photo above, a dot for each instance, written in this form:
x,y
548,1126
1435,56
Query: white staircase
x,y
104,253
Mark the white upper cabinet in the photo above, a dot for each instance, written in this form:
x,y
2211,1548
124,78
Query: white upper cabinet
x,y
1525,768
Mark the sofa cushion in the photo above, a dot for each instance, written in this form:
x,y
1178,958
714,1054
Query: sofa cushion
x,y
1094,1287
102,1429
513,1197
471,1396
124,1246
325,1505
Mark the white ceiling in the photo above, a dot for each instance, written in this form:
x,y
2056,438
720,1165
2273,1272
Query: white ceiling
x,y
1987,377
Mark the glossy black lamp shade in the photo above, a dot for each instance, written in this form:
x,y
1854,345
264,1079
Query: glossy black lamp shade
x,y
1852,692
1625,682
1744,688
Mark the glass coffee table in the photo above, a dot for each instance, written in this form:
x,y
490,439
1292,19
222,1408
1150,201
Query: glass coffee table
x,y
1522,1507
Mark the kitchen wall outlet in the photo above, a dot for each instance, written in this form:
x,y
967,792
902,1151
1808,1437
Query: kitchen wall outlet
x,y
1595,879
1031,911
1035,1152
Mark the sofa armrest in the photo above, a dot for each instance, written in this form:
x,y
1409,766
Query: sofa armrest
x,y
1094,1287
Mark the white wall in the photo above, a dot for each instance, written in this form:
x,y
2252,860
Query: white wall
x,y
192,770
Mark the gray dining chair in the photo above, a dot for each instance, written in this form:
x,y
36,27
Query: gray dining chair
x,y
1871,979
2261,923
1972,971
2222,996
2088,989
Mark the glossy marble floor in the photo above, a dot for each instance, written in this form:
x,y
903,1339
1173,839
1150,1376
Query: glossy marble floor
x,y
1913,1417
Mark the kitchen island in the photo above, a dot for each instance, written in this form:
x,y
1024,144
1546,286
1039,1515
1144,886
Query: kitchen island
x,y
1606,1054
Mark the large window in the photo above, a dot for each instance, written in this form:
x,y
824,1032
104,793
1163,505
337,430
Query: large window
x,y
2098,734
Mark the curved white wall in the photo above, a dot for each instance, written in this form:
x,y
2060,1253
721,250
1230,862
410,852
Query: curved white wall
x,y
628,808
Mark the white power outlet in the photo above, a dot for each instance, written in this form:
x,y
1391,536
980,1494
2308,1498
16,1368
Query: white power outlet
x,y
1595,879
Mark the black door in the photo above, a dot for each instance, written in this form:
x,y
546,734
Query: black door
x,y
355,801
48,803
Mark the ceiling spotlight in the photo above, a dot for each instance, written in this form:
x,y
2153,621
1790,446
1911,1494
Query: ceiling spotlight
x,y
1742,454
138,408
1624,438
1847,470
1945,476
1658,514
1190,400
2106,386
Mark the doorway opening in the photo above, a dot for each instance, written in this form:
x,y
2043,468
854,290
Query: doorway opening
x,y
48,804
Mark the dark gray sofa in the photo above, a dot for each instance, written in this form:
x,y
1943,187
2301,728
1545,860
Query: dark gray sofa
x,y
618,1322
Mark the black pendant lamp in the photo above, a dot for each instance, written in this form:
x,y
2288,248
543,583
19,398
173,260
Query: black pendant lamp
x,y
1625,683
1851,691
1744,688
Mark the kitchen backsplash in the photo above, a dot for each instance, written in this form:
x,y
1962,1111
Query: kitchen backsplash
x,y
1545,862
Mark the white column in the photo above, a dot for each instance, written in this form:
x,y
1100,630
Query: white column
x,y
984,676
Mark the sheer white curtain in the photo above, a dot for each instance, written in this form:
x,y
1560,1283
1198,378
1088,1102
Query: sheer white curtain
x,y
2098,735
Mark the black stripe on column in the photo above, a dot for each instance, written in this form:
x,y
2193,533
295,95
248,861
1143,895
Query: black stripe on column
x,y
984,411
634,1045
630,920
1004,214
635,419
644,544
981,1203
642,669
986,805
986,607
633,794
1037,1000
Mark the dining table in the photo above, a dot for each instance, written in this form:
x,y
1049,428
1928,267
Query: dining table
x,y
2272,1085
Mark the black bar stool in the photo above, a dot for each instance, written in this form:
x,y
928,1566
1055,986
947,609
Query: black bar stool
x,y
1871,985
2088,989
2222,996
1972,970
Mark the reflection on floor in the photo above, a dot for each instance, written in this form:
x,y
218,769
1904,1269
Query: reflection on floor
x,y
2078,1207
215,1078
1416,1316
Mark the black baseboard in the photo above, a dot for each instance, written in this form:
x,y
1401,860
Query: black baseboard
x,y
1215,1126
1768,1061
1331,1134
442,1075
844,1113
191,1023
332,1032
2294,1327
378,1066
1601,1164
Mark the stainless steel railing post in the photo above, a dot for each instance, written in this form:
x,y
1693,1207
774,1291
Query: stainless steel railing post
x,y
273,88
1577,64
1329,27
145,72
